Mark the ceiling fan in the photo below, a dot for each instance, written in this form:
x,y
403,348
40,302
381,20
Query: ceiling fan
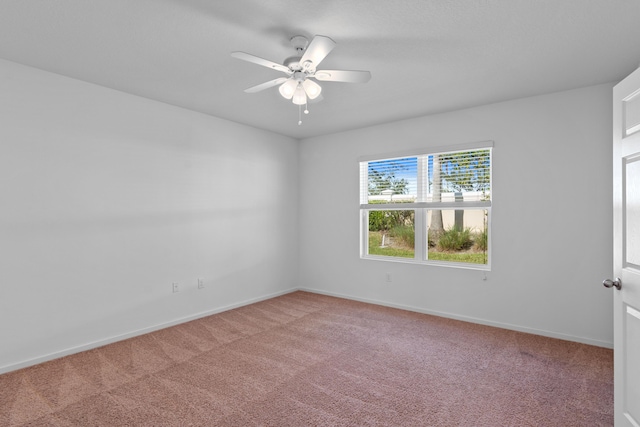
x,y
301,68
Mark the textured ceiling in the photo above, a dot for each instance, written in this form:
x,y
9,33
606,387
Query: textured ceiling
x,y
425,56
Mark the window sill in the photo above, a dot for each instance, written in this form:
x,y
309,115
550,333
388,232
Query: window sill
x,y
458,265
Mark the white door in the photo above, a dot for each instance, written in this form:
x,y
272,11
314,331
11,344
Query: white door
x,y
626,252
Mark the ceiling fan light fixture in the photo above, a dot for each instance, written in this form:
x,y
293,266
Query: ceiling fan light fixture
x,y
288,88
312,88
299,96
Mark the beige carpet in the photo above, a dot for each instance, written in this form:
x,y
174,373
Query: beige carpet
x,y
310,360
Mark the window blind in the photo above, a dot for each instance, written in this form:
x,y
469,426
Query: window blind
x,y
441,179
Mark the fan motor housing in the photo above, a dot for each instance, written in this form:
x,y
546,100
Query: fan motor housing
x,y
293,62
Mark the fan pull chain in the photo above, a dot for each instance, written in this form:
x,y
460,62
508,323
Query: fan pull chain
x,y
306,111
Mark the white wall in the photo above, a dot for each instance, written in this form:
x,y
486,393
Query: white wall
x,y
107,198
551,168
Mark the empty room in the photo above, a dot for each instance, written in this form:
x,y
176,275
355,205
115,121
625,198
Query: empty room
x,y
319,213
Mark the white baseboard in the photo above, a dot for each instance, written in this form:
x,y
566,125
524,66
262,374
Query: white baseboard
x,y
116,338
508,326
102,342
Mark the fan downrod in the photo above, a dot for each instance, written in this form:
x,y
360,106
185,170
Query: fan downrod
x,y
300,44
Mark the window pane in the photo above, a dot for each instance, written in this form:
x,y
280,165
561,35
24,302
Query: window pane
x,y
458,235
453,187
392,180
458,176
392,233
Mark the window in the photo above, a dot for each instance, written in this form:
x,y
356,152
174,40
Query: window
x,y
428,207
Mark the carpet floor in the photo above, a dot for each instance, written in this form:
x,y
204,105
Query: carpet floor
x,y
304,359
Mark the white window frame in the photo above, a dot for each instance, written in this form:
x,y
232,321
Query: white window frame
x,y
421,208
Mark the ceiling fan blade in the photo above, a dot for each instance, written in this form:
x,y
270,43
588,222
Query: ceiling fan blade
x,y
343,76
260,61
317,50
266,85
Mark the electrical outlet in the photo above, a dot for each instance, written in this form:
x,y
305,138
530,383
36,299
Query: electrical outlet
x,y
200,283
176,287
388,275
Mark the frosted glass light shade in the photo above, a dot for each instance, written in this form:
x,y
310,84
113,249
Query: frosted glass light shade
x,y
288,88
312,88
299,96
